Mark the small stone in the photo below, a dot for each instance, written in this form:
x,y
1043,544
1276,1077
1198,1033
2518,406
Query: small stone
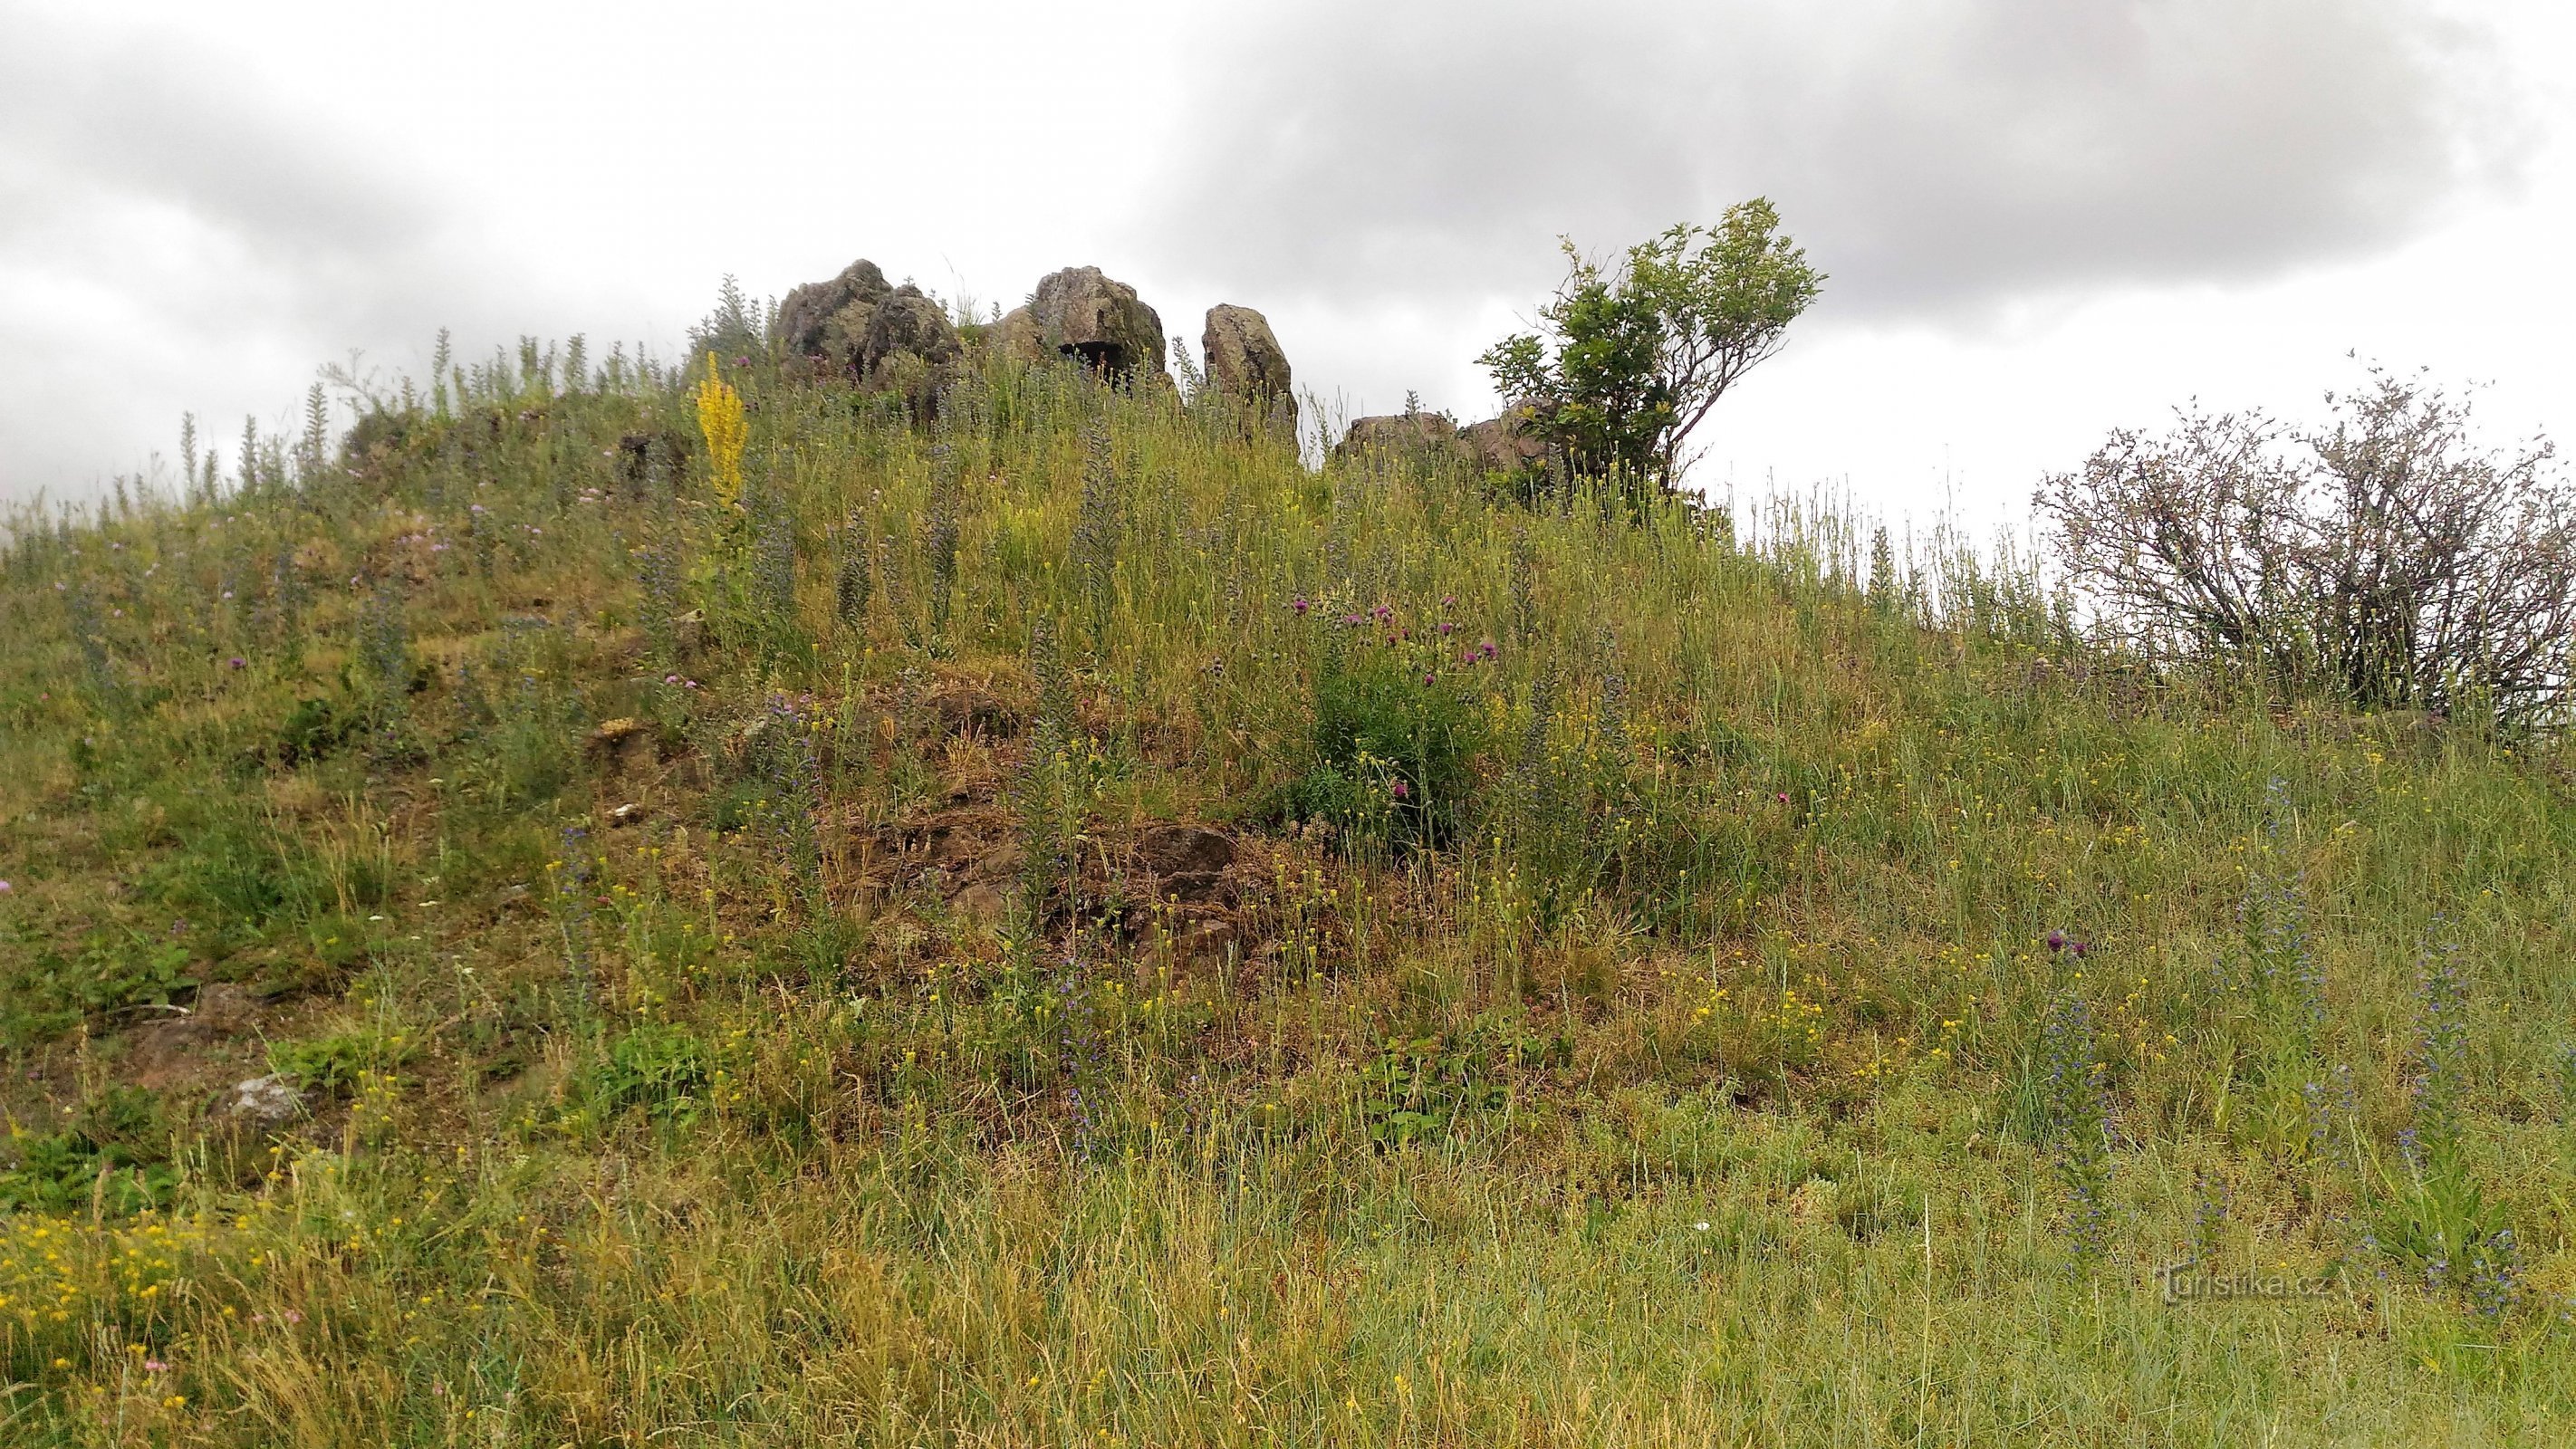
x,y
260,1106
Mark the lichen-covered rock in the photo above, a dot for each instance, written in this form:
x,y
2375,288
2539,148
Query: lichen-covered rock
x,y
258,1108
907,323
1083,313
1505,444
1244,359
1417,434
827,319
1016,335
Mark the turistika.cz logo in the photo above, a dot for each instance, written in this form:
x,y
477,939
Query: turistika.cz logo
x,y
2187,1282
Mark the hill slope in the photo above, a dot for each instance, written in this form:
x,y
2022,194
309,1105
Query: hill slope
x,y
1056,922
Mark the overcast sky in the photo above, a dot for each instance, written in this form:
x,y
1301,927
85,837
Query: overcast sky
x,y
2042,218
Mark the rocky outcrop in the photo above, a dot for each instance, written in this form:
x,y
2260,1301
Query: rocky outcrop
x,y
1497,445
1244,359
892,339
1505,444
827,319
1417,434
1080,312
907,323
1015,334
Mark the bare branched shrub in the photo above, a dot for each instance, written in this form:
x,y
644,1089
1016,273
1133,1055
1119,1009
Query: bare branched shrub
x,y
2386,557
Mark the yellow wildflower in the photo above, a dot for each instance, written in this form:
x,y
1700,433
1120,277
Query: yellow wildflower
x,y
720,419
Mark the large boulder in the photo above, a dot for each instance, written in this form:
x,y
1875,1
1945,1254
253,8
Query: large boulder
x,y
1506,444
828,319
907,323
1016,334
1244,359
1423,435
1080,312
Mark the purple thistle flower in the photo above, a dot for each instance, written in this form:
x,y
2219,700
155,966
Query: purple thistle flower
x,y
2057,940
1399,790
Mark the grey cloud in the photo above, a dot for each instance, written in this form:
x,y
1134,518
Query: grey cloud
x,y
126,117
174,237
1936,156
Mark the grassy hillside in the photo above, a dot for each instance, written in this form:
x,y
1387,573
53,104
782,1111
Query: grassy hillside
x,y
1057,923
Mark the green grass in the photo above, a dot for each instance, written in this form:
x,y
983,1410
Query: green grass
x,y
1679,1058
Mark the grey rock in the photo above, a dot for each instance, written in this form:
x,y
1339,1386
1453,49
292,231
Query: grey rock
x,y
259,1107
827,318
1505,444
1017,335
1421,435
1083,313
906,323
1243,356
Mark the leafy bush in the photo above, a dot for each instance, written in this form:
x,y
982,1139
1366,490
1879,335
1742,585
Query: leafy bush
x,y
2383,557
242,871
1642,351
45,992
116,1154
1395,752
664,1069
313,729
1421,1087
335,1064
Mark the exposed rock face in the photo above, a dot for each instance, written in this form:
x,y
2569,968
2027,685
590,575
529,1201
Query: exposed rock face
x,y
1402,433
1083,313
1505,444
827,319
1243,356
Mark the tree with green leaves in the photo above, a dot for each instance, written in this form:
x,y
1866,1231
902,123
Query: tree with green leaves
x,y
1634,355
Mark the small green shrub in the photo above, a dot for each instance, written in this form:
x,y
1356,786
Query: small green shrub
x,y
663,1069
1395,753
116,1157
313,729
47,991
238,871
1420,1088
334,1064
